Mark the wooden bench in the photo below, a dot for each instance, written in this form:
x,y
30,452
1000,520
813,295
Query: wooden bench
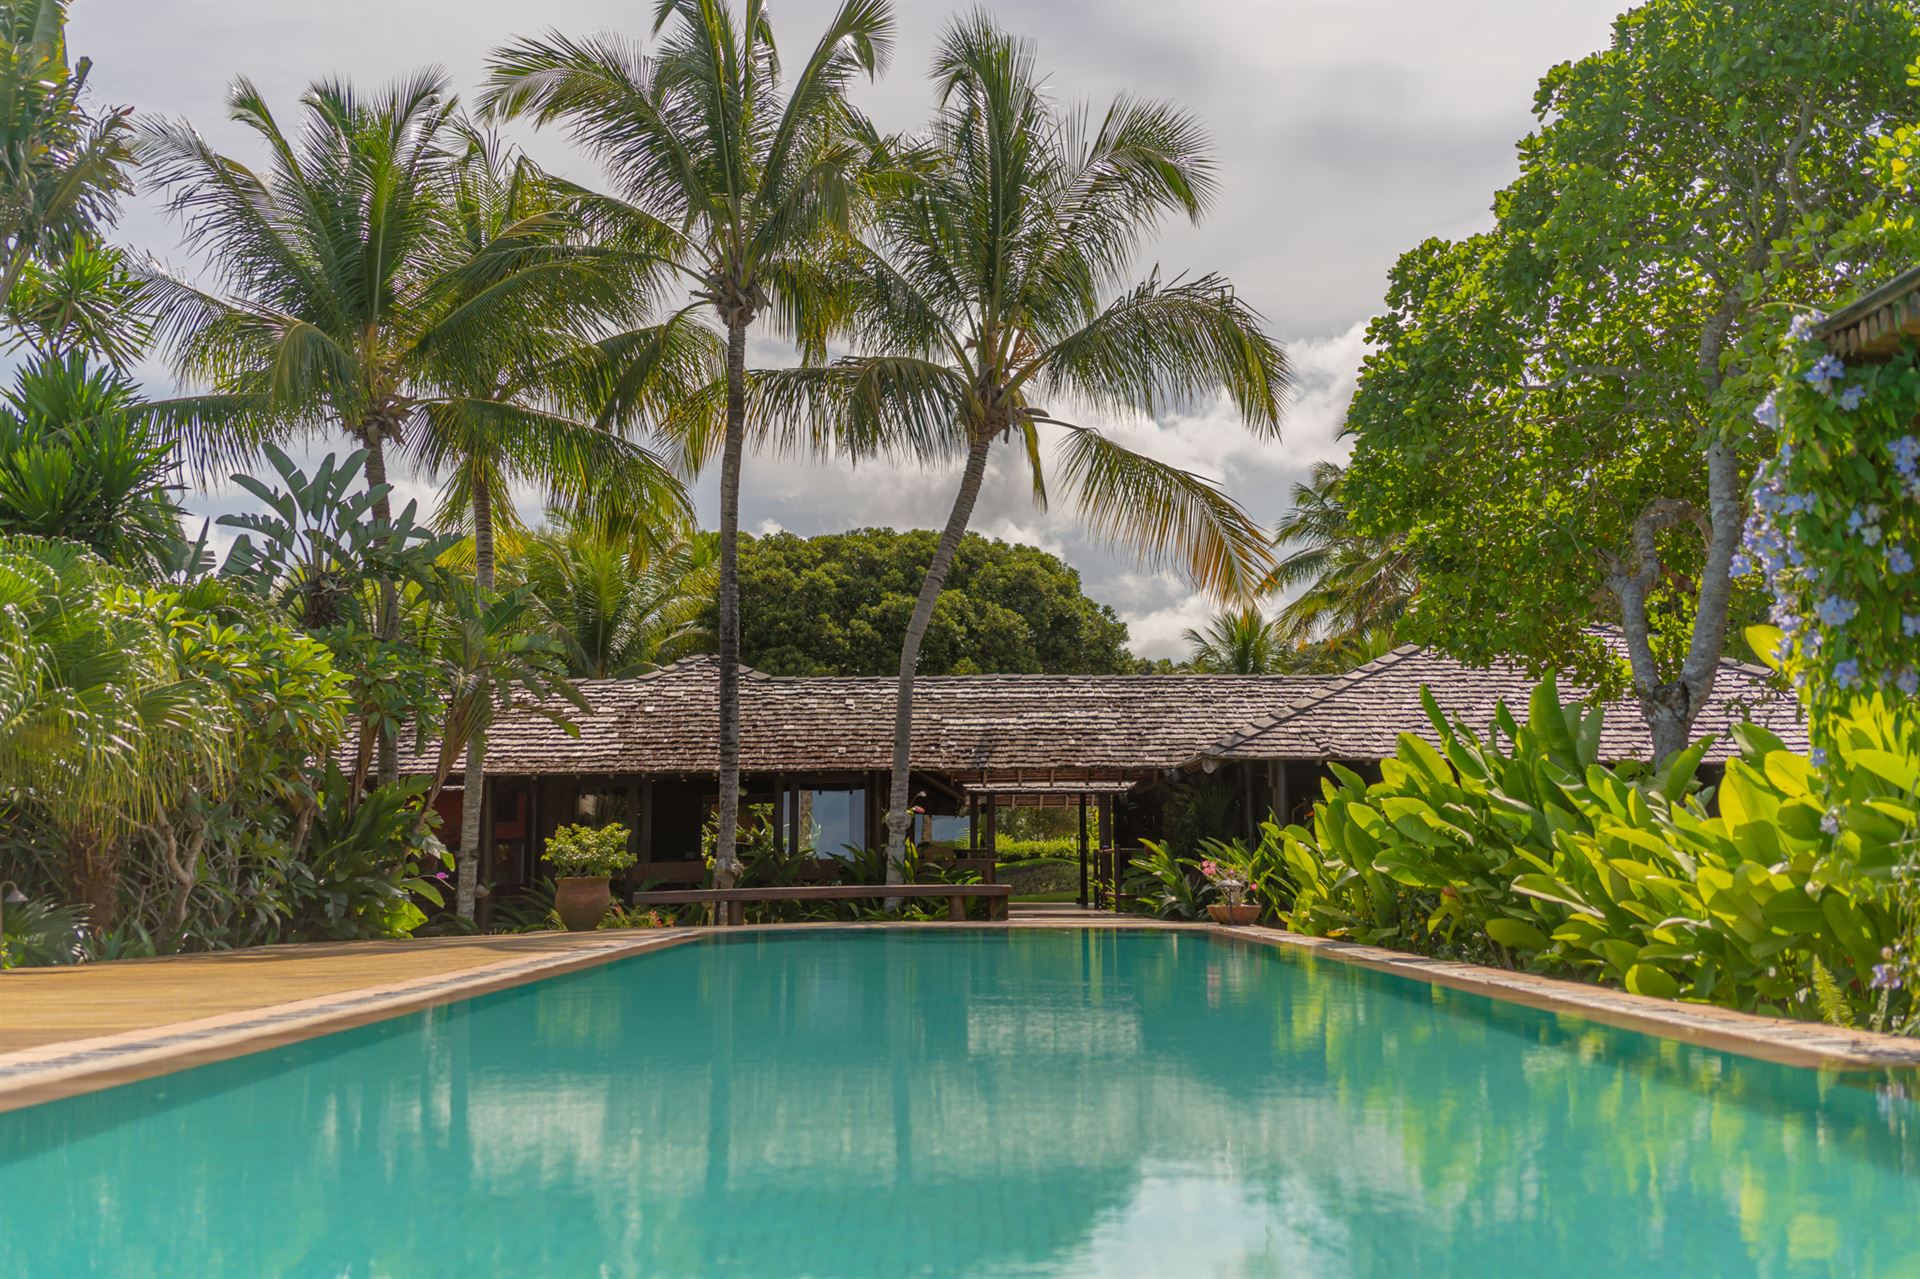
x,y
736,899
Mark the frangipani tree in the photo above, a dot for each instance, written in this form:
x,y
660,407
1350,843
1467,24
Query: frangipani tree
x,y
998,290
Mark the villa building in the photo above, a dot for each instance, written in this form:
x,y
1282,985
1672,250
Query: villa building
x,y
817,751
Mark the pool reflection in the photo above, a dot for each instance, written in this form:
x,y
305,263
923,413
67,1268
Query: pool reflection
x,y
981,1102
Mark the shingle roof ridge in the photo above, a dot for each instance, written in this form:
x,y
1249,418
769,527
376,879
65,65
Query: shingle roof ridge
x,y
1332,687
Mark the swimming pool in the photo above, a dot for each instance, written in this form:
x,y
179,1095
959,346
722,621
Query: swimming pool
x,y
981,1102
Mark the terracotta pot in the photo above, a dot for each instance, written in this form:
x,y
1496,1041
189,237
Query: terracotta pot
x,y
1244,913
582,901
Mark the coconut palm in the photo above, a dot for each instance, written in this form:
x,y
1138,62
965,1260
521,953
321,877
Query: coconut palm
x,y
748,180
353,292
1353,587
618,605
1239,642
528,413
63,168
1000,279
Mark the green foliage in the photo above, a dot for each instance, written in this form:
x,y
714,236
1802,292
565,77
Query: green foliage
x,y
63,168
1522,844
1167,884
78,462
618,605
1835,529
1591,364
1198,809
40,931
1240,642
1351,585
590,851
1015,850
839,605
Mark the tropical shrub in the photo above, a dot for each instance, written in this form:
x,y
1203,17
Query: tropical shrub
x,y
590,851
1522,844
1016,850
1165,883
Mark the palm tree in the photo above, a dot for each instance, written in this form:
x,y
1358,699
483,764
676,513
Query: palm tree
x,y
1354,587
618,605
62,168
747,183
998,281
513,413
356,289
1239,642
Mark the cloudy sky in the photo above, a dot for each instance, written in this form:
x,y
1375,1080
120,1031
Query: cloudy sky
x,y
1345,133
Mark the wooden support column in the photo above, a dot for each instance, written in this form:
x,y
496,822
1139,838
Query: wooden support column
x,y
1246,800
992,806
1277,789
646,820
973,826
779,807
1083,850
1106,840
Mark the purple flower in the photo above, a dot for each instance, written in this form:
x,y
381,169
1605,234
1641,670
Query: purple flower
x,y
1831,822
1825,372
1817,757
1907,681
1899,559
1834,611
1739,565
1768,413
1885,978
1905,452
1910,625
1851,396
1801,326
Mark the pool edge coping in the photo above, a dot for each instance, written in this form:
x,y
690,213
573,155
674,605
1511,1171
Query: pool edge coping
x,y
74,1067
1805,1044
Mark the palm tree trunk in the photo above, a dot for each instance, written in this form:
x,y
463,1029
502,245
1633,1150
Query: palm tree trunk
x,y
473,792
726,863
387,627
898,796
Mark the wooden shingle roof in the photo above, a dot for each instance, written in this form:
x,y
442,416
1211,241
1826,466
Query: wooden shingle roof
x,y
1360,715
1031,728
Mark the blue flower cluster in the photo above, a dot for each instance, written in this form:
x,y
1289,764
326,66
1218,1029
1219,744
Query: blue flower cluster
x,y
1825,372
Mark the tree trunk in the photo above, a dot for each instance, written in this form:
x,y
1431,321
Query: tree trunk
x,y
726,863
898,796
387,625
474,778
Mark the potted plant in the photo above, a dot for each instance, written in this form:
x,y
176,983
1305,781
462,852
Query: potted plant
x,y
584,858
1231,884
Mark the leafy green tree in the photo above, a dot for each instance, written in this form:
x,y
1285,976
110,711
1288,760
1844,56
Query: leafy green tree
x,y
78,461
619,605
356,290
1350,584
1000,280
1558,415
748,183
99,730
839,604
1240,642
63,168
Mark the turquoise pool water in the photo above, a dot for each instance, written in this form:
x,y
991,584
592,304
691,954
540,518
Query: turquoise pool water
x,y
982,1103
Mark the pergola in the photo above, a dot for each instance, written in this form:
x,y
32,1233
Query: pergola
x,y
1102,856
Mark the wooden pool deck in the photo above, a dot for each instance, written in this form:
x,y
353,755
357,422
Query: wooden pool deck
x,y
65,1031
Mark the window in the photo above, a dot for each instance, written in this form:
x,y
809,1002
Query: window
x,y
831,819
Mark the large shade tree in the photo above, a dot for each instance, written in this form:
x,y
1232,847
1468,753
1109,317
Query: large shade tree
x,y
1558,415
748,175
998,297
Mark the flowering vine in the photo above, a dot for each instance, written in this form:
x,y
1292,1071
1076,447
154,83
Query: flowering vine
x,y
1834,524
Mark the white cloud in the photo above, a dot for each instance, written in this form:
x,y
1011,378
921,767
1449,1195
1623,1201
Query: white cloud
x,y
1344,134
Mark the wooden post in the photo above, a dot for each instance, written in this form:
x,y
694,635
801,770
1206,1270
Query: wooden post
x,y
646,820
992,804
1277,790
1246,798
1106,837
1083,850
973,825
